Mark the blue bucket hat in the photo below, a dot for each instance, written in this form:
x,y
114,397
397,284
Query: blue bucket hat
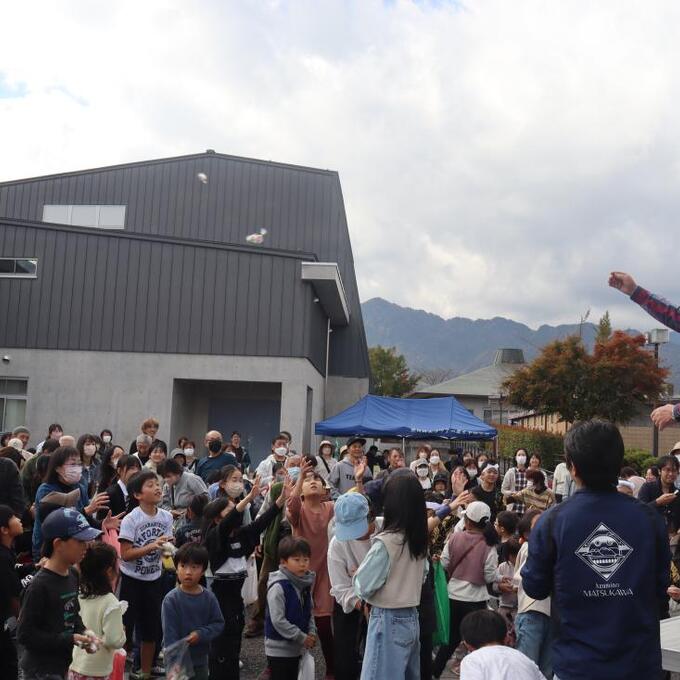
x,y
351,516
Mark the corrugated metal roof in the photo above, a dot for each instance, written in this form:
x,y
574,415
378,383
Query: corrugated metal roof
x,y
301,208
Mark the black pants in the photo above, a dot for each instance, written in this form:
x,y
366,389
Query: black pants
x,y
425,656
226,648
8,656
458,611
282,667
347,630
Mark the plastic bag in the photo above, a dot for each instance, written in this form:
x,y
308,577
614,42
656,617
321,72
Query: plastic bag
x,y
306,669
249,590
177,660
118,672
442,607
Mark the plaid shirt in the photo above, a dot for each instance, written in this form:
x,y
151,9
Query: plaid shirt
x,y
520,483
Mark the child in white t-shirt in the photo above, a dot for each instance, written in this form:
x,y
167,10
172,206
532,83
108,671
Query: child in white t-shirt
x,y
483,632
142,534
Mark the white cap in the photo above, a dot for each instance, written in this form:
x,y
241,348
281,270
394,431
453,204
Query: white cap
x,y
476,511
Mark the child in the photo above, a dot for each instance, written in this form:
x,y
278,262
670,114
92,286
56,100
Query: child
x,y
483,632
503,584
505,525
191,530
390,579
289,623
190,611
470,559
10,589
532,623
229,545
346,551
50,623
100,611
309,516
142,535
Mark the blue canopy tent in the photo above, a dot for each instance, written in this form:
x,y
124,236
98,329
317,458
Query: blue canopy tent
x,y
439,418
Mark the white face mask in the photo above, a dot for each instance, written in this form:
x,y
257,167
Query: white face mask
x,y
421,471
472,472
89,449
72,473
234,489
434,460
529,484
189,453
521,460
281,451
106,439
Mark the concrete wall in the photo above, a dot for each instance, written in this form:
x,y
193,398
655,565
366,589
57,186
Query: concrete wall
x,y
87,391
342,393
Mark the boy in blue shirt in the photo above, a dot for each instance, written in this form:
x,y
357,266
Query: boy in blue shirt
x,y
289,624
191,611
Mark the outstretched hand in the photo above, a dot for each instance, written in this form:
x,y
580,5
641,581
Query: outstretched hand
x,y
623,282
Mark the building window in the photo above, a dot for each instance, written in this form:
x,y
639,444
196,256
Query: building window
x,y
18,268
99,216
488,415
12,402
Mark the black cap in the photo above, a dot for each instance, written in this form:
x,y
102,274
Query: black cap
x,y
351,441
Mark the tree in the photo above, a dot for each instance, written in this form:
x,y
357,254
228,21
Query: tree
x,y
604,329
434,376
390,376
612,383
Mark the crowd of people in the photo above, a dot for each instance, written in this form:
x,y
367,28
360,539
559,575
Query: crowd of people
x,y
390,569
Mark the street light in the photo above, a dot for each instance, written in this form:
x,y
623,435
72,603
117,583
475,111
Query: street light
x,y
656,337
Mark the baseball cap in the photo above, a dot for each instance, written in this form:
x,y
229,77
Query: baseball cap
x,y
351,441
477,511
68,523
351,516
440,477
676,447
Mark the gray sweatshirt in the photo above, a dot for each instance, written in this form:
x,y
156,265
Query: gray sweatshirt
x,y
342,479
276,604
179,495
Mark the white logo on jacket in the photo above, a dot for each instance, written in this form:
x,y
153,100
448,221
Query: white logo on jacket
x,y
604,551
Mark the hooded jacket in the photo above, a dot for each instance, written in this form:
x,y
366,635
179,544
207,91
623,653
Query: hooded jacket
x,y
289,597
605,560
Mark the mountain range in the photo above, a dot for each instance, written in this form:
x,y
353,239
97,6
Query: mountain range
x,y
448,347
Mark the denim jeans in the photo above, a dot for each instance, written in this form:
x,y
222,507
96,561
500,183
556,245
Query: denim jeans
x,y
392,645
534,639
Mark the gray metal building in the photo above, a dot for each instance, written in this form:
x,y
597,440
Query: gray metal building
x,y
130,291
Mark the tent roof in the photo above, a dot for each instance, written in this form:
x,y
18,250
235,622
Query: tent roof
x,y
440,418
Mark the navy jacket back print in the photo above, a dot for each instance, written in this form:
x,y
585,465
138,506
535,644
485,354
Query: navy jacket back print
x,y
605,559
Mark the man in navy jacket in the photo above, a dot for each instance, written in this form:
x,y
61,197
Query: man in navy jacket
x,y
604,557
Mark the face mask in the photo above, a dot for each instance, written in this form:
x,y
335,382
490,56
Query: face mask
x,y
281,451
106,439
89,449
72,473
529,485
421,471
434,460
234,489
215,446
189,453
294,472
472,472
521,460
326,451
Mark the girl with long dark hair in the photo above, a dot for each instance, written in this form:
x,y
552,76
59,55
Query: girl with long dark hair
x,y
390,579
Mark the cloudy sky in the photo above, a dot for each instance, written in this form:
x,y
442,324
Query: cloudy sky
x,y
497,158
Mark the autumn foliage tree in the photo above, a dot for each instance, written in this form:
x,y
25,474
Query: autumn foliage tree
x,y
611,383
390,376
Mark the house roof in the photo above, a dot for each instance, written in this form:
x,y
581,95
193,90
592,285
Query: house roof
x,y
480,383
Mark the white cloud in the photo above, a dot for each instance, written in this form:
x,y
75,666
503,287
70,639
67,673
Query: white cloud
x,y
497,158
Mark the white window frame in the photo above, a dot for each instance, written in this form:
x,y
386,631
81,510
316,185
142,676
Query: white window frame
x,y
17,397
97,208
20,275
